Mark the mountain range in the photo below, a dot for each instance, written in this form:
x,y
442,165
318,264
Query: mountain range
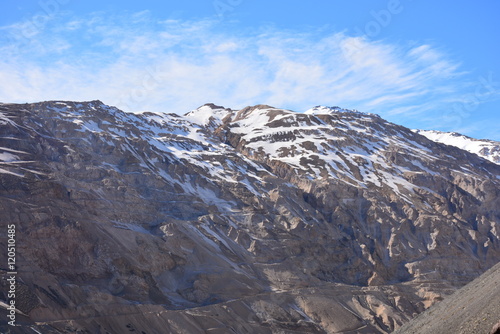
x,y
258,220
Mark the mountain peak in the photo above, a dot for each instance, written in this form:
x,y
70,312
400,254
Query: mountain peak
x,y
212,106
322,110
207,114
325,110
247,111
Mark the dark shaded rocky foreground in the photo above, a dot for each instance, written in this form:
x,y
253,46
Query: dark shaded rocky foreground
x,y
258,220
473,309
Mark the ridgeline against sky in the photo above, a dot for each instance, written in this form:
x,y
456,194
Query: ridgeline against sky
x,y
418,63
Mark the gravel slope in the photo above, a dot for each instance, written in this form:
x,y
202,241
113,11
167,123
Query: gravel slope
x,y
473,309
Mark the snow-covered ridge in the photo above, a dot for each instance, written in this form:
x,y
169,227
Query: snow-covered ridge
x,y
353,147
324,142
487,149
325,110
321,110
207,114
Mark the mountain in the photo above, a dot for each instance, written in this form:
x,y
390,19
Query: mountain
x,y
259,220
473,309
487,149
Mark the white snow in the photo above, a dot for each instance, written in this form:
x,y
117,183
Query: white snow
x,y
13,162
4,119
204,114
88,125
487,149
322,110
8,157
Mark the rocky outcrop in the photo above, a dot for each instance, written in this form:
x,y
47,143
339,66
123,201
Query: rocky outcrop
x,y
260,220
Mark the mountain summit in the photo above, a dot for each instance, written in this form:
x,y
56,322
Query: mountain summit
x,y
259,220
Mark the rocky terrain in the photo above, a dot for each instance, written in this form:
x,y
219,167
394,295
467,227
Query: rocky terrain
x,y
258,220
473,309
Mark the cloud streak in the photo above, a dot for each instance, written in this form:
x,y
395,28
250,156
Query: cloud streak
x,y
138,63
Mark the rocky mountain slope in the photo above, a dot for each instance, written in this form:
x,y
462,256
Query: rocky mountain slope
x,y
473,309
260,220
487,149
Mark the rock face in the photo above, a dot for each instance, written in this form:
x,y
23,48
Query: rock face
x,y
258,220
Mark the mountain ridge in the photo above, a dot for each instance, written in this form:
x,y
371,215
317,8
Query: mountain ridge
x,y
485,148
287,217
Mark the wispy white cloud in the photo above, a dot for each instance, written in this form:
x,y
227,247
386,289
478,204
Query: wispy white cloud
x,y
138,63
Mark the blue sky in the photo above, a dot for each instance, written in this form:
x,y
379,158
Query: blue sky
x,y
423,64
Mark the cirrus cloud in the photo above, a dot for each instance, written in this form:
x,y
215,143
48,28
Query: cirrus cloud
x,y
138,63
